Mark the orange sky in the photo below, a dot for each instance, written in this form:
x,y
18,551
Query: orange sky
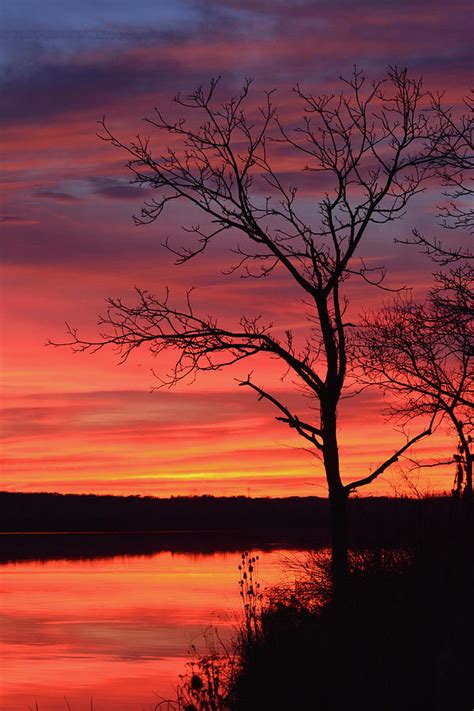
x,y
79,423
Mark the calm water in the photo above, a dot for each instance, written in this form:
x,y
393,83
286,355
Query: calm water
x,y
116,630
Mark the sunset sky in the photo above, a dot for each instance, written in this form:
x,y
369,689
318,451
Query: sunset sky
x,y
80,423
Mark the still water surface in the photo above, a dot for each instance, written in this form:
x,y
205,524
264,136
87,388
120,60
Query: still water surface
x,y
116,630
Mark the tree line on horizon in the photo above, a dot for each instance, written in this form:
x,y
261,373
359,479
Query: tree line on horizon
x,y
51,512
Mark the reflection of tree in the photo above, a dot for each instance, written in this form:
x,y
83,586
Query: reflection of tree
x,y
377,147
423,353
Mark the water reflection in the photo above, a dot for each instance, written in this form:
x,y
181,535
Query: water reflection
x,y
88,546
113,629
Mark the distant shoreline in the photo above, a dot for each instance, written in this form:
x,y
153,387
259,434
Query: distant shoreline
x,y
81,513
51,512
44,526
27,546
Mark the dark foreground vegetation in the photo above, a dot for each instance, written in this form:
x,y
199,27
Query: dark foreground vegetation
x,y
399,637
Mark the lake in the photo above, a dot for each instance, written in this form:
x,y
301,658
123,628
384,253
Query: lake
x,y
116,629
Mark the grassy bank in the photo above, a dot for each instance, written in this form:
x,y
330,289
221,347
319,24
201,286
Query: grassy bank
x,y
400,638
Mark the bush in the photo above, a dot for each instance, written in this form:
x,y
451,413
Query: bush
x,y
399,639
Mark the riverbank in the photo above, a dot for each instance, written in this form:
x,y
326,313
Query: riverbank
x,y
398,636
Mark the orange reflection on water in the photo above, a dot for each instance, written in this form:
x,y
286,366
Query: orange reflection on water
x,y
115,630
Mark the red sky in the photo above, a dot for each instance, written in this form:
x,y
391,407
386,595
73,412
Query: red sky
x,y
76,423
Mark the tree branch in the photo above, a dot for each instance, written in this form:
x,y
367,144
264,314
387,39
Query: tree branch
x,y
305,430
388,462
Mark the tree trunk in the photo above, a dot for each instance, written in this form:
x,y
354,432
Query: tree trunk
x,y
466,456
339,542
337,498
467,493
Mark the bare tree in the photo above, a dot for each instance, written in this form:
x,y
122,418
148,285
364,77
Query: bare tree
x,y
456,171
374,144
452,300
423,354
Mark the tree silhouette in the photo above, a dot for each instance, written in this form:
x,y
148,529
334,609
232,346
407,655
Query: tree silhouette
x,y
456,171
423,353
375,143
